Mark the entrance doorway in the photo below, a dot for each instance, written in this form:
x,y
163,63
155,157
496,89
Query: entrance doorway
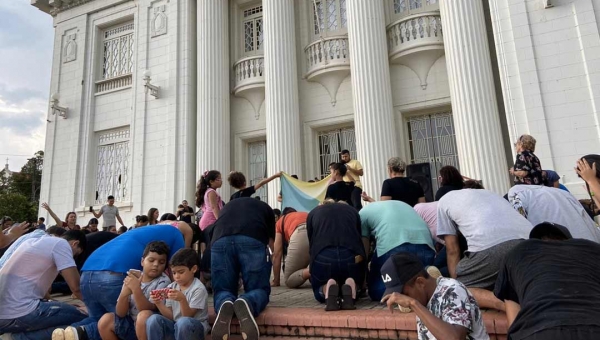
x,y
432,140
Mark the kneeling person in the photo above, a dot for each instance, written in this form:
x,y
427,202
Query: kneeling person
x,y
184,315
445,308
135,294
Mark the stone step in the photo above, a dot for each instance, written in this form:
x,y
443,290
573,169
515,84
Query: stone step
x,y
311,323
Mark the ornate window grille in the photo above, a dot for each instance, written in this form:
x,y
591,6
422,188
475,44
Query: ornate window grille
x,y
117,58
253,30
329,16
407,7
331,143
432,140
112,172
257,158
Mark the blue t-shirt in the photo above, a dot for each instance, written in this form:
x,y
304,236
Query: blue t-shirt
x,y
125,252
393,223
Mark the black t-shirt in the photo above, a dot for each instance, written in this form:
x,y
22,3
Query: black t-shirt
x,y
247,192
402,189
334,225
340,191
245,216
94,241
557,283
187,219
446,189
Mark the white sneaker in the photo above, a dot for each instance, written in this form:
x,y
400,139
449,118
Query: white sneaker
x,y
6,336
434,272
58,334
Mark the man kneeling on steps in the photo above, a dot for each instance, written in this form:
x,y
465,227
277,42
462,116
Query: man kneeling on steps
x,y
445,308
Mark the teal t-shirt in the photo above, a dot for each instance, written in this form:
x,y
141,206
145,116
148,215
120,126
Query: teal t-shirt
x,y
393,223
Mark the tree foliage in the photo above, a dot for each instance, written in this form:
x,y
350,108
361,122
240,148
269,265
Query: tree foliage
x,y
18,207
20,191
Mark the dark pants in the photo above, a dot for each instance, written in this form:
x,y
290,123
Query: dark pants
x,y
336,263
441,262
356,199
374,281
232,255
565,333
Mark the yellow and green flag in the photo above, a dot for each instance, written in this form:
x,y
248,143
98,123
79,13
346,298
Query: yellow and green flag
x,y
302,196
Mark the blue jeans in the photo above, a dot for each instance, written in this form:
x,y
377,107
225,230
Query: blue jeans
x,y
441,262
160,328
336,263
125,328
100,290
40,323
232,255
375,283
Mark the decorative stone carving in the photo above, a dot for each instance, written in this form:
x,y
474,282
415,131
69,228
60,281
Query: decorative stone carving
x,y
159,22
70,49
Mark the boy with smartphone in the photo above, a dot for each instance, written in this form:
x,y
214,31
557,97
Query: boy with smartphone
x,y
184,312
134,297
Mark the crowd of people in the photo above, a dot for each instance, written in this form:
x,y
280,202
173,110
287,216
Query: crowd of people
x,y
530,254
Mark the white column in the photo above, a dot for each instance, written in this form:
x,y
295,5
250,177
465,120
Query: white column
x,y
474,108
281,92
371,91
213,90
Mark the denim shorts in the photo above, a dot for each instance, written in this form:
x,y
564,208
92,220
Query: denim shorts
x,y
125,328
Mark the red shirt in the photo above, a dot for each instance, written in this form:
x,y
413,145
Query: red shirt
x,y
292,221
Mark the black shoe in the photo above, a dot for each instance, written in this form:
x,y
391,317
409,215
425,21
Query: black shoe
x,y
347,300
222,326
332,301
248,326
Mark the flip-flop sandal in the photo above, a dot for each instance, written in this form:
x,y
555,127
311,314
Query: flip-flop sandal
x,y
333,294
347,300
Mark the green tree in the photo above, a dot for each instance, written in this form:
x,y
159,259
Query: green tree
x,y
17,206
28,181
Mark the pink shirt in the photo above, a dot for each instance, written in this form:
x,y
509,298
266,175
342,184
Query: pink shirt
x,y
208,217
428,212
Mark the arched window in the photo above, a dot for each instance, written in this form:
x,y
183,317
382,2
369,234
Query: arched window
x,y
330,17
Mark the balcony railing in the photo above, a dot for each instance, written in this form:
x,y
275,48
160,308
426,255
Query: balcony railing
x,y
116,83
249,71
414,32
326,53
250,81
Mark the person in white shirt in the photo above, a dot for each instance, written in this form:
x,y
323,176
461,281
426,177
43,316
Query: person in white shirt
x,y
25,280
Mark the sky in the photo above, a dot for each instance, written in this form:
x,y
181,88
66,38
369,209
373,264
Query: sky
x,y
26,39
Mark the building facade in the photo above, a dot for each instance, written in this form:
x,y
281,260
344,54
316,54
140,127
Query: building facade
x,y
158,91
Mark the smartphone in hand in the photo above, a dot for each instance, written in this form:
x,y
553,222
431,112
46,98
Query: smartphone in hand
x,y
160,294
91,208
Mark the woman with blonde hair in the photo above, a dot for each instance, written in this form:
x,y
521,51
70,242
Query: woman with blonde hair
x,y
527,168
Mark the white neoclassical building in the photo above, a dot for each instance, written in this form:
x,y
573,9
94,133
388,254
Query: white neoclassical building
x,y
147,94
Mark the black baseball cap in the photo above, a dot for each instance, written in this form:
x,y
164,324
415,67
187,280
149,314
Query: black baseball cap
x,y
549,228
398,270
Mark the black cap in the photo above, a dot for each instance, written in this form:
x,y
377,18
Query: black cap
x,y
549,228
398,270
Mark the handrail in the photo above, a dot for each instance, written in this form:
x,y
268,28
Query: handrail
x,y
327,50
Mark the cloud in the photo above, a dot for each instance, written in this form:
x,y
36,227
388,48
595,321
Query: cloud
x,y
26,43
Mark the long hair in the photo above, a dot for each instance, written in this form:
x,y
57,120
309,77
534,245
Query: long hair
x,y
204,184
67,217
151,219
451,176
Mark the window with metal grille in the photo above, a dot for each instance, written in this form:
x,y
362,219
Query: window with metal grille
x,y
253,30
408,7
329,16
257,159
117,51
112,172
331,143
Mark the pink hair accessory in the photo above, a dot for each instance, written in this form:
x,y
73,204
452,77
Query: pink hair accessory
x,y
205,173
